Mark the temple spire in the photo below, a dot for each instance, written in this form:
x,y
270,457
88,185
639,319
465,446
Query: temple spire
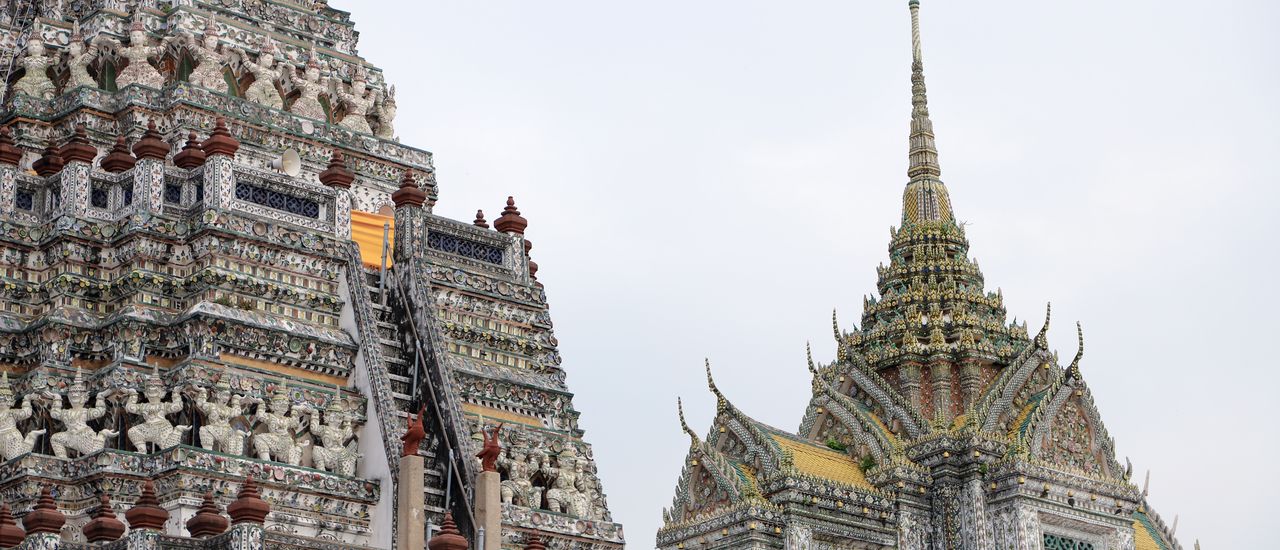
x,y
924,154
925,199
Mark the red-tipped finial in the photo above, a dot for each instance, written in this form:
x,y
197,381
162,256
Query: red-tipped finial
x,y
119,159
408,194
79,148
151,146
104,527
248,506
50,163
220,141
511,222
10,533
208,521
9,153
45,518
480,220
191,156
337,174
448,537
146,512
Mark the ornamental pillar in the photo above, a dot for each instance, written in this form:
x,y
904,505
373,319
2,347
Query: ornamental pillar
x,y
220,153
410,227
910,375
970,381
10,156
148,173
940,385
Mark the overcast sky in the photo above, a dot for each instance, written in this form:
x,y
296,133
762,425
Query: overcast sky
x,y
712,178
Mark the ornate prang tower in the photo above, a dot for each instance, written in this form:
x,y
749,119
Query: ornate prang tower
x,y
182,313
938,426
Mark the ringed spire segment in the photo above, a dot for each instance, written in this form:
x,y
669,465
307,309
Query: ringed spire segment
x,y
925,199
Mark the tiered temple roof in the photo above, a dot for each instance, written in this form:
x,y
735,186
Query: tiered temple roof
x,y
937,425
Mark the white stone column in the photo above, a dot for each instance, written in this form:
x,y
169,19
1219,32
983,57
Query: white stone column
x,y
489,509
411,524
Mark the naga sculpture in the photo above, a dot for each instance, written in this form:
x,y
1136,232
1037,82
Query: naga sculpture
x,y
139,50
80,53
12,443
414,435
263,90
518,488
155,428
331,455
277,443
563,496
358,101
307,104
35,82
385,110
488,454
211,54
77,434
217,434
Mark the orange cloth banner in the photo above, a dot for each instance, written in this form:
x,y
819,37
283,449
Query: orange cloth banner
x,y
366,231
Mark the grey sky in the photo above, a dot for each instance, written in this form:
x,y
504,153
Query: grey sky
x,y
712,178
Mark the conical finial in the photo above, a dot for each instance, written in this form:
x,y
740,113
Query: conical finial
x,y
9,153
104,527
146,512
208,521
337,174
511,222
45,518
79,148
191,156
119,159
4,384
10,533
248,506
480,222
448,537
50,163
151,146
535,543
409,194
220,141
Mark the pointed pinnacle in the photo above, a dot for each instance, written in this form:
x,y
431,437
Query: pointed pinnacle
x,y
1075,364
1042,341
684,426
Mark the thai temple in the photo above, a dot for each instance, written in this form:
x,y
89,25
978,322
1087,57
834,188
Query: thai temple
x,y
937,426
230,318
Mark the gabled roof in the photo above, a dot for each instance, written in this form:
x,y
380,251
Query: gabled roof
x,y
1145,534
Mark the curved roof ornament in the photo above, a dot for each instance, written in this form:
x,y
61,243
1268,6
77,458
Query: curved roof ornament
x,y
1042,341
722,404
683,425
1074,370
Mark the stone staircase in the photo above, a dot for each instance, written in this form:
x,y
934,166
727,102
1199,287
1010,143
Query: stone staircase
x,y
399,354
